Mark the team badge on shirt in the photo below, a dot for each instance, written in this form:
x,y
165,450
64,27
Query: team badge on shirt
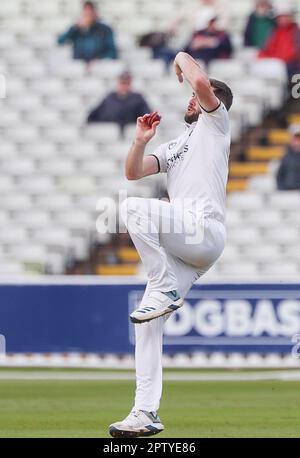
x,y
172,145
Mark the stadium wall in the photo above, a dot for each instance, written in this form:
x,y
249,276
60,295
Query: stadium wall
x,y
90,315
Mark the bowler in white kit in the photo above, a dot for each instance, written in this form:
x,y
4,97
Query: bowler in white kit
x,y
178,241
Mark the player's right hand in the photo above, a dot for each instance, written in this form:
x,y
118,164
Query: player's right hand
x,y
146,128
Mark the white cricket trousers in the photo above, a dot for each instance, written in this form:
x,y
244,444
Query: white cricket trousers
x,y
176,246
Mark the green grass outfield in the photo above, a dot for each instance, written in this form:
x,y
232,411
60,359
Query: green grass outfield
x,y
44,407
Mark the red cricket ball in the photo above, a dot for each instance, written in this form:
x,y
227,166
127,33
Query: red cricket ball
x,y
154,117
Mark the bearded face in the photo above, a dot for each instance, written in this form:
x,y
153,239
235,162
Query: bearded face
x,y
193,111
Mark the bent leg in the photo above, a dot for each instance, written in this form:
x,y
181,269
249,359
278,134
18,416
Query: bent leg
x,y
142,219
159,229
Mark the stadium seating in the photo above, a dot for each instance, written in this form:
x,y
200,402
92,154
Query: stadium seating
x,y
54,167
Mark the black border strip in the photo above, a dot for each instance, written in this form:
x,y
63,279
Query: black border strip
x,y
158,163
212,111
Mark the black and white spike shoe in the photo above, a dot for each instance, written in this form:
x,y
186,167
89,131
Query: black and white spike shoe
x,y
158,304
138,423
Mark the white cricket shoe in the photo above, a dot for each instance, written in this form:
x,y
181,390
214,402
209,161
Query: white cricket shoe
x,y
158,304
137,424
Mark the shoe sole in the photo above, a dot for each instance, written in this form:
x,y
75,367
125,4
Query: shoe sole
x,y
114,432
163,313
172,308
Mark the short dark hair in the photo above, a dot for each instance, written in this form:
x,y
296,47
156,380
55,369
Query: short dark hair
x,y
89,5
223,92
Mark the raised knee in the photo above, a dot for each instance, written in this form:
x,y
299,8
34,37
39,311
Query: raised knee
x,y
128,207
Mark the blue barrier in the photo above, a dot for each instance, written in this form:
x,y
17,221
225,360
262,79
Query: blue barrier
x,y
94,318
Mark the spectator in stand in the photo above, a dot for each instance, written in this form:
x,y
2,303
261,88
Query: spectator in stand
x,y
284,43
196,17
123,106
288,176
260,24
165,45
91,38
210,43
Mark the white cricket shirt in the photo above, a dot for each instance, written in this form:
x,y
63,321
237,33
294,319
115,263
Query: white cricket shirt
x,y
196,163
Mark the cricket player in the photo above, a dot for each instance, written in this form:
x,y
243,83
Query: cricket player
x,y
178,241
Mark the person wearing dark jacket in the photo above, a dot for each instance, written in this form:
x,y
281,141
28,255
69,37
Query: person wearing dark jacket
x,y
288,175
260,25
91,38
210,43
123,106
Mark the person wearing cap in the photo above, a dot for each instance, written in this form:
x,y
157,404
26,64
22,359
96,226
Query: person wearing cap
x,y
186,22
195,17
210,43
288,175
284,42
260,24
122,106
90,37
